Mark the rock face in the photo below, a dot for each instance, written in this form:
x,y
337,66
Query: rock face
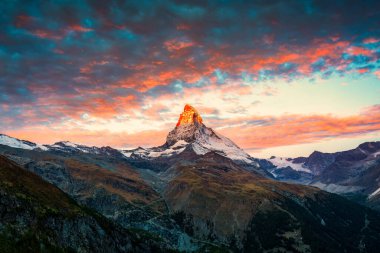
x,y
189,116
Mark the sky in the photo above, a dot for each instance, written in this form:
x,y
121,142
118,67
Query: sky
x,y
280,78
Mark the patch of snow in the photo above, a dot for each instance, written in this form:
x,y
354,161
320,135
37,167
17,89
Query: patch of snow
x,y
176,148
281,162
84,150
211,141
166,152
376,154
126,153
179,143
70,144
199,149
66,146
273,174
42,147
374,193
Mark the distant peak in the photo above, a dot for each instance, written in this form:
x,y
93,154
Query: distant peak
x,y
189,116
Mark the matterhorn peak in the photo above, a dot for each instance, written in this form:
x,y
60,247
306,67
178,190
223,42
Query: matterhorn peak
x,y
189,116
191,135
190,131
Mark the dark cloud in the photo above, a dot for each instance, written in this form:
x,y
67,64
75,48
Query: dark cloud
x,y
91,50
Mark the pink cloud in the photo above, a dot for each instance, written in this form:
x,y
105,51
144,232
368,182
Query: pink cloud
x,y
298,129
371,40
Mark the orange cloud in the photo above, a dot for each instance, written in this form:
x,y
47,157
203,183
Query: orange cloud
x,y
354,50
363,70
298,129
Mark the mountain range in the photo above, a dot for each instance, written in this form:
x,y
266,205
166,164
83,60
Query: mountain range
x,y
198,192
353,173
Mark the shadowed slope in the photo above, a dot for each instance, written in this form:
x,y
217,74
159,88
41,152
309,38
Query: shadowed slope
x,y
36,216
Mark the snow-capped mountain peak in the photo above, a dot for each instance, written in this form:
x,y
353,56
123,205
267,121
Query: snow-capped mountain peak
x,y
190,128
190,131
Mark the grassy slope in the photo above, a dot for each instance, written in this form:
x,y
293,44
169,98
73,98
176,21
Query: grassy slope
x,y
36,216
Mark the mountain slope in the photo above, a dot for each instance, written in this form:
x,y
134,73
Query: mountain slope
x,y
353,167
353,173
264,215
36,216
108,185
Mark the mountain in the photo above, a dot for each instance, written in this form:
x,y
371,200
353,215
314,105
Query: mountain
x,y
191,134
38,217
199,192
353,173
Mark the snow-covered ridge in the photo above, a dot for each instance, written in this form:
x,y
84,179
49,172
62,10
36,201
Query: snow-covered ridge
x,y
16,143
282,162
63,146
373,194
70,146
176,148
